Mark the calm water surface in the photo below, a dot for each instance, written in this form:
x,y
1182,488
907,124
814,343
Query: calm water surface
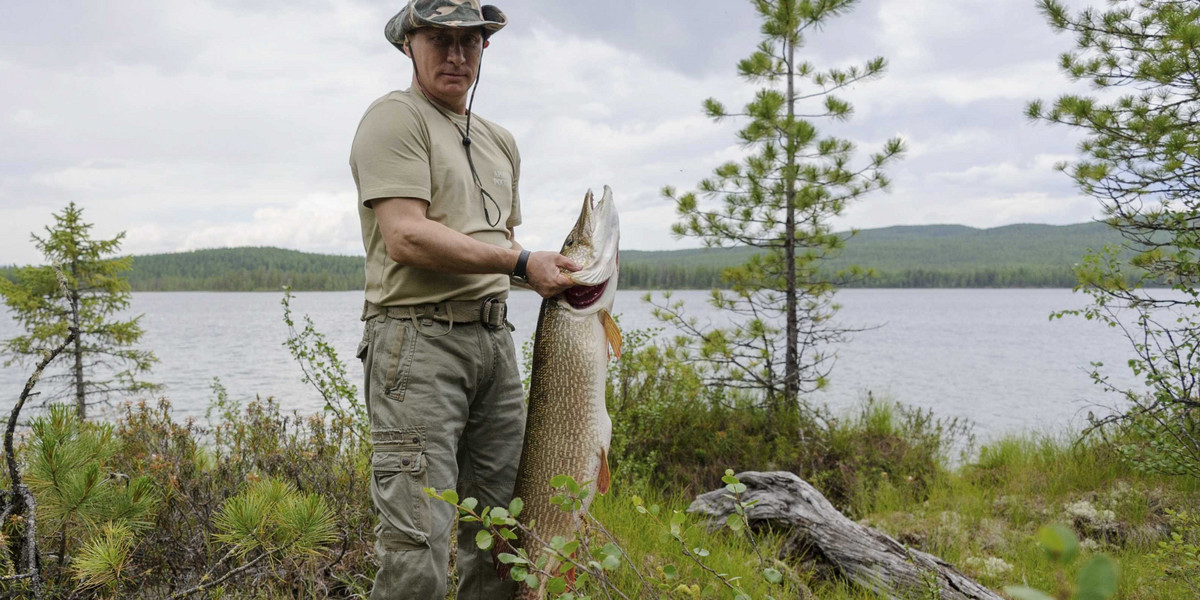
x,y
992,356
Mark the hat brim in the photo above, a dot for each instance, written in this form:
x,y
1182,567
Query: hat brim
x,y
404,23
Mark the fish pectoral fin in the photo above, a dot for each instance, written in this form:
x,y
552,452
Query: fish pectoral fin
x,y
604,478
611,333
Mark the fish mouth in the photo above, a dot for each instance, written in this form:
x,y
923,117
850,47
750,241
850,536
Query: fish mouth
x,y
583,296
599,222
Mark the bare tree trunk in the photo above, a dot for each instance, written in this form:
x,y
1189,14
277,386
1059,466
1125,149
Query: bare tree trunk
x,y
77,349
791,373
865,556
20,499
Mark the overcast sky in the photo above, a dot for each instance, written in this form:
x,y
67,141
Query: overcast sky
x,y
212,123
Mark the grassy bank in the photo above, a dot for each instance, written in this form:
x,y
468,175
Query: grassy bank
x,y
982,517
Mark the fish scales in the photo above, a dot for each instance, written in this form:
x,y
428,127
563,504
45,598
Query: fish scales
x,y
568,429
571,358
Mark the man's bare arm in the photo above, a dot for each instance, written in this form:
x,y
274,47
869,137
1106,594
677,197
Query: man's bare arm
x,y
412,239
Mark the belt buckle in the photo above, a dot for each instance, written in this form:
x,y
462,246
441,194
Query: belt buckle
x,y
485,311
488,315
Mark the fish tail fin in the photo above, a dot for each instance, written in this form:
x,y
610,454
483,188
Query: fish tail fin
x,y
604,478
569,575
612,333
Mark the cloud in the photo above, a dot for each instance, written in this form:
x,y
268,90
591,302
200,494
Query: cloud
x,y
224,123
696,38
318,223
583,117
956,140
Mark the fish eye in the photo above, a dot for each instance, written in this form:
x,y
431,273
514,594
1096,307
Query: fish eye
x,y
569,242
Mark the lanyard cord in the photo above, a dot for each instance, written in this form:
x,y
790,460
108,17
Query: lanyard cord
x,y
466,137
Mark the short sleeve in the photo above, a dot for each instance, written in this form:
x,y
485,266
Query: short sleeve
x,y
390,154
514,215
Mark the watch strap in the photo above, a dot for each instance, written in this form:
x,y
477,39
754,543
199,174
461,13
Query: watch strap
x,y
523,261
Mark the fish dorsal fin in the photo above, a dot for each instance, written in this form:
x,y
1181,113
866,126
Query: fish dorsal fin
x,y
604,478
612,333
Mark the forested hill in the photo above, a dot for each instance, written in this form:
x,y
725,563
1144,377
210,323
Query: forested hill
x,y
1024,255
909,256
245,269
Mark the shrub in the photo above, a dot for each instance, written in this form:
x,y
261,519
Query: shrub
x,y
258,499
671,430
83,503
306,463
1180,555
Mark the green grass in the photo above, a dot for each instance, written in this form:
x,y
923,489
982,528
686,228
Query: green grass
x,y
653,549
993,507
887,463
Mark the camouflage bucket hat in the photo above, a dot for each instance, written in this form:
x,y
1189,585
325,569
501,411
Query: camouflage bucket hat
x,y
443,13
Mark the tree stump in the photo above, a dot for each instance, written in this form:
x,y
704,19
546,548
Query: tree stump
x,y
860,554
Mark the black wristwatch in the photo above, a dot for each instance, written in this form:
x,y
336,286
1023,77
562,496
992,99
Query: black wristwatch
x,y
519,270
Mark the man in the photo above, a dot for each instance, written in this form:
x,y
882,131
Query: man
x,y
438,203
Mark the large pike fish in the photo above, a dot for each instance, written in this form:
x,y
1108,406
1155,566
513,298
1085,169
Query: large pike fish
x,y
568,429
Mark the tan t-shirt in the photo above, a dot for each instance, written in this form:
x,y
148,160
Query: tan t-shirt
x,y
406,147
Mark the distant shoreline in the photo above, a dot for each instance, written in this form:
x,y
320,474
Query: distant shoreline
x,y
902,257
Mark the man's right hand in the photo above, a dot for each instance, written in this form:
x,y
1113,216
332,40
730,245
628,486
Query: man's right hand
x,y
544,275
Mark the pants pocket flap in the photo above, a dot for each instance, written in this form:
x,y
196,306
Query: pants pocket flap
x,y
397,462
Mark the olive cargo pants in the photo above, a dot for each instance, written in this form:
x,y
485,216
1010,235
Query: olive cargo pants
x,y
447,411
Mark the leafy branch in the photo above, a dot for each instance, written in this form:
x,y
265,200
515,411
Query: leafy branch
x,y
324,371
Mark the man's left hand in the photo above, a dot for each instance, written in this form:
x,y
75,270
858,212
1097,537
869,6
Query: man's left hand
x,y
543,272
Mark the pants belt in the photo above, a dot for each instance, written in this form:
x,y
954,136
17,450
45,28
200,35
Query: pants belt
x,y
492,312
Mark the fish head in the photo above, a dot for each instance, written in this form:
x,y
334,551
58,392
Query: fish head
x,y
593,245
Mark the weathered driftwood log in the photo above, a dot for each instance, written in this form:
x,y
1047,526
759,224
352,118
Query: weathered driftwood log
x,y
819,532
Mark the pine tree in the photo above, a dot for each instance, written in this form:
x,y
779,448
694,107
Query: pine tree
x,y
1141,161
77,497
80,287
781,199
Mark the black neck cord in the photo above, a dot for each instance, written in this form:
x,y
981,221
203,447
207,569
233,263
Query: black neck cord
x,y
466,137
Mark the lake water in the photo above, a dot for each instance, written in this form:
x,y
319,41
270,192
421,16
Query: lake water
x,y
990,355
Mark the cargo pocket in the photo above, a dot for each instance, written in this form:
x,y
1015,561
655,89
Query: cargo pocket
x,y
403,347
363,345
399,479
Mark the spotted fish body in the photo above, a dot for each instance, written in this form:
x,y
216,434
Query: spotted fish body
x,y
568,429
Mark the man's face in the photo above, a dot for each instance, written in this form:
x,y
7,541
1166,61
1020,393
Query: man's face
x,y
447,61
